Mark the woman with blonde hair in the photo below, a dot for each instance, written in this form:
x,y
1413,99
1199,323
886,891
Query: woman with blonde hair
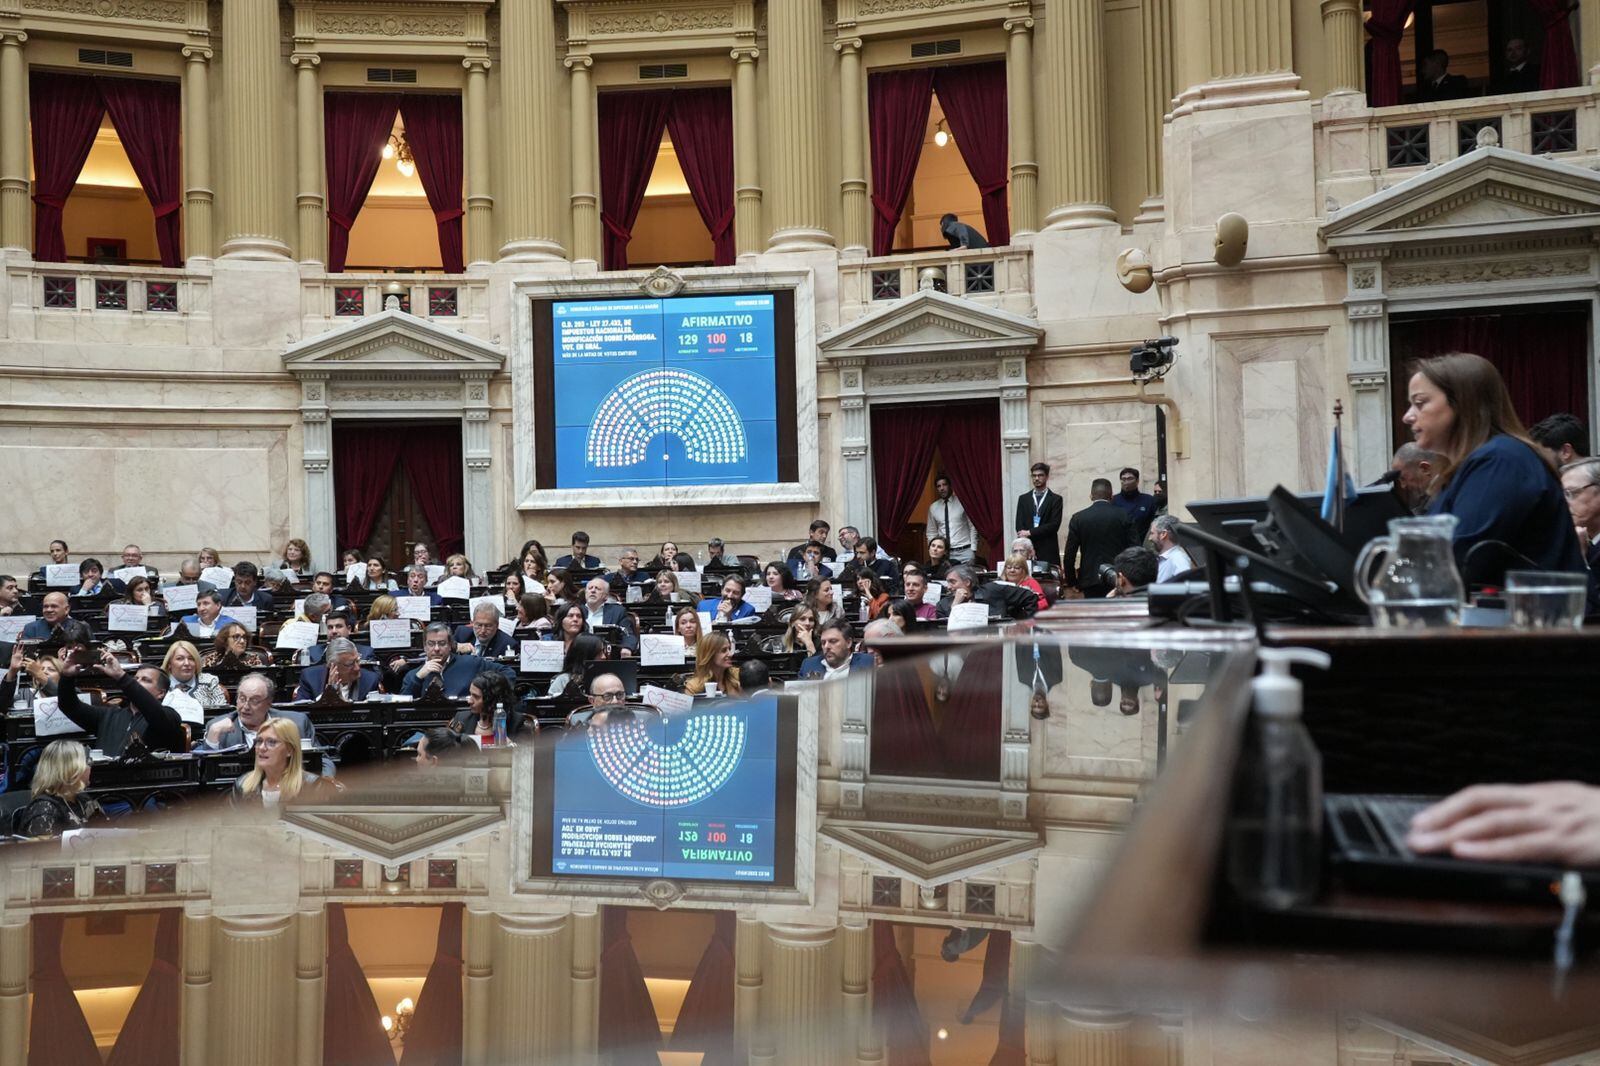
x,y
802,632
58,803
383,607
182,664
713,664
234,639
279,775
459,565
1018,571
687,626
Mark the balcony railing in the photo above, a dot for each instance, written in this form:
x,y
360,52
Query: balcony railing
x,y
96,301
1000,277
328,300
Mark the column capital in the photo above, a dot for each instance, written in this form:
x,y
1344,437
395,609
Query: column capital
x,y
576,62
847,44
745,53
195,53
309,59
1019,24
477,64
14,37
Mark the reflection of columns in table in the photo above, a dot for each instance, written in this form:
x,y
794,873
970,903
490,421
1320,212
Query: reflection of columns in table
x,y
253,969
1073,127
308,157
15,210
585,197
1367,320
1093,1036
855,943
316,435
477,490
747,235
855,232
530,209
1019,109
250,103
196,946
311,954
16,962
480,205
476,996
795,93
585,986
197,192
1342,34
533,988
748,940
801,996
854,441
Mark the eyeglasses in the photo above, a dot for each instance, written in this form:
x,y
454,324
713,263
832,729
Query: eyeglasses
x,y
1573,494
610,697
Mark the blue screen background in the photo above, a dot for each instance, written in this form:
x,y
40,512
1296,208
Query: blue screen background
x,y
600,345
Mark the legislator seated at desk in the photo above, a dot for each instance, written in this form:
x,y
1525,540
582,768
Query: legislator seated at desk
x,y
1010,601
279,774
93,583
254,706
55,622
1499,485
453,673
598,612
417,584
145,716
340,624
835,659
730,607
342,672
208,617
247,590
578,558
484,637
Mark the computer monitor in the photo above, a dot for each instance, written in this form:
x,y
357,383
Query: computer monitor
x,y
1301,538
1365,517
627,671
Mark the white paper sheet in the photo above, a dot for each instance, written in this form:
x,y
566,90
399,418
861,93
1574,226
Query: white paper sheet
x,y
759,597
969,615
61,575
665,700
245,616
390,633
298,635
417,607
11,628
188,708
660,649
435,572
127,617
220,576
48,721
542,656
180,597
455,588
933,593
126,574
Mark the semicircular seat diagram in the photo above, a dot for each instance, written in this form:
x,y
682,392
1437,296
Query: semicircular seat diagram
x,y
666,400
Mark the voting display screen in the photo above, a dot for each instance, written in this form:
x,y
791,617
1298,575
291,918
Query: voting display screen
x,y
702,796
687,390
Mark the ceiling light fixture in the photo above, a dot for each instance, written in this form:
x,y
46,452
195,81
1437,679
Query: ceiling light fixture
x,y
399,149
941,136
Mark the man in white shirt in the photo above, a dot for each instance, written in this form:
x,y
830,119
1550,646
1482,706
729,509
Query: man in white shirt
x,y
1173,559
947,518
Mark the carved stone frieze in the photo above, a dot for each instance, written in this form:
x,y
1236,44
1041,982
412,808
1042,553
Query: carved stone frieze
x,y
132,10
377,24
1364,382
1364,278
933,375
1469,273
1364,311
869,8
688,20
397,393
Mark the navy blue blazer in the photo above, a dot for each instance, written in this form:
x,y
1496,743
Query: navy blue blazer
x,y
615,614
1503,492
501,643
458,675
260,599
567,562
313,679
815,667
317,652
72,631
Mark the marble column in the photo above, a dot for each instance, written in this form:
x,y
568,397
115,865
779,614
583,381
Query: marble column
x,y
747,233
1019,109
250,103
855,443
529,77
253,994
533,988
585,987
313,226
585,191
801,997
1091,1036
1155,18
311,954
1342,36
856,232
1073,126
316,440
749,938
1589,23
796,89
855,943
196,947
1243,38
198,195
477,996
16,963
480,205
478,489
16,214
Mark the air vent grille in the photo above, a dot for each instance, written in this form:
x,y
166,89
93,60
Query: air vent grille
x,y
391,76
99,57
657,71
929,49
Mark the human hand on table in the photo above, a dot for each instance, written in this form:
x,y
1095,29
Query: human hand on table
x,y
1554,821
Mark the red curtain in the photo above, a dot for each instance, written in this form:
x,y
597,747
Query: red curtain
x,y
904,741
1387,25
150,1034
630,1032
631,125
363,464
356,126
432,455
973,96
700,123
705,1021
58,1035
353,1034
969,444
1542,355
969,733
64,111
894,1003
903,442
898,102
148,117
435,1035
434,131
1558,61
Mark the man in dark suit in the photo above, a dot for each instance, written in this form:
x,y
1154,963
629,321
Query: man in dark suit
x,y
959,234
579,558
55,622
1140,507
454,673
1435,82
253,702
1519,74
819,537
340,624
484,637
1099,531
417,584
342,671
1039,514
599,611
1580,483
247,590
1003,601
142,714
836,658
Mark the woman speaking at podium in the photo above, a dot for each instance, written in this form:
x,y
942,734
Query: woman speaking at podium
x,y
1497,483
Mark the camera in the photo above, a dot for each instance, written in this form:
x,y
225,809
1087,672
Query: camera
x,y
1107,574
1152,358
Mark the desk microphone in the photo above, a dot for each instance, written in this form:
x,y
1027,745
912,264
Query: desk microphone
x,y
1466,560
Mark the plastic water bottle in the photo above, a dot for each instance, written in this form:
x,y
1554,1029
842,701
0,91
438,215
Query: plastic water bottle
x,y
500,724
1275,832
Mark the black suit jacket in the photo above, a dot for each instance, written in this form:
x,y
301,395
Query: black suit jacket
x,y
1098,532
1450,87
314,679
1047,534
1525,80
159,724
1592,557
1006,601
615,614
497,647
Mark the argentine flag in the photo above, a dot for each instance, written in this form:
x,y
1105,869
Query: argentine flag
x,y
1338,490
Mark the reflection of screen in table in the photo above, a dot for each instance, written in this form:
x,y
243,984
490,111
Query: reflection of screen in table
x,y
691,797
678,391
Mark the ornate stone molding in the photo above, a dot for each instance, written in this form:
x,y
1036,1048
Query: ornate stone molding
x,y
688,20
1362,382
376,24
1364,277
1364,311
163,11
933,375
1471,273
